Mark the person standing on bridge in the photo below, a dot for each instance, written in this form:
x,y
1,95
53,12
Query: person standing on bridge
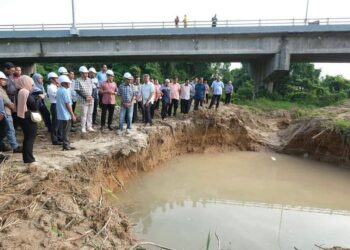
x,y
214,21
185,21
84,88
108,90
217,87
177,20
175,89
56,136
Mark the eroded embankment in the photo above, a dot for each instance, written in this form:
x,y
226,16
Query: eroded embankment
x,y
63,203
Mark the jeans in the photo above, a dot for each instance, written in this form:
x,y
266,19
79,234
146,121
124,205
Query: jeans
x,y
65,127
213,99
125,111
86,114
56,135
110,109
174,103
165,107
29,131
10,133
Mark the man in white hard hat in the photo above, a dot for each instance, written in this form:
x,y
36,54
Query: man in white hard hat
x,y
84,88
56,137
127,96
62,71
9,107
65,113
92,76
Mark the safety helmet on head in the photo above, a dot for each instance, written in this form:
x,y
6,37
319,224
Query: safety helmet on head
x,y
62,71
64,78
110,72
52,75
127,75
83,69
2,75
93,70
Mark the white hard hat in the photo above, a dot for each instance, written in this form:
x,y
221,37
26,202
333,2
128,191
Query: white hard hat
x,y
83,69
52,75
62,71
127,75
93,70
2,75
64,78
110,72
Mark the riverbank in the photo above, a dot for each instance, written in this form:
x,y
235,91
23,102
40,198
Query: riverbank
x,y
63,203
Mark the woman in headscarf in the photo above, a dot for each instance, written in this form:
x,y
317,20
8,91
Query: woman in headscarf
x,y
27,103
37,90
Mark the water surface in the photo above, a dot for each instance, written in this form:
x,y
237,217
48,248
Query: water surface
x,y
250,200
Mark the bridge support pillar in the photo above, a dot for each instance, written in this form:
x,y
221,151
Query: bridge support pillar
x,y
28,69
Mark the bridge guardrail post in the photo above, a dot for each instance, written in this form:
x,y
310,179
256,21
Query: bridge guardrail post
x,y
13,27
328,21
102,26
293,22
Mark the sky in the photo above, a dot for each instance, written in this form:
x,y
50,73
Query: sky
x,y
59,11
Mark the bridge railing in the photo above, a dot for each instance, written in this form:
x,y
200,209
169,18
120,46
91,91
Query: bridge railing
x,y
171,24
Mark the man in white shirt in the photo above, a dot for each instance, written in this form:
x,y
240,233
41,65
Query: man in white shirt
x,y
51,92
147,92
217,87
185,95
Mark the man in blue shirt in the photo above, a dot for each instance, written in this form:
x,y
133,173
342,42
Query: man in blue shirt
x,y
217,87
65,113
199,94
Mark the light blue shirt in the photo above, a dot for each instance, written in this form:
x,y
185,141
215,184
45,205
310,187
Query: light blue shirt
x,y
147,90
62,98
101,77
217,87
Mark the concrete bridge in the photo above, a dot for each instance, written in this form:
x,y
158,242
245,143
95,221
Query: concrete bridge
x,y
268,46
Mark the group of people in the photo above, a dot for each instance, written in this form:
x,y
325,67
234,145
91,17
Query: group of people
x,y
24,102
214,21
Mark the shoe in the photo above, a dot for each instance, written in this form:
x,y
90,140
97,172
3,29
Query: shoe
x,y
73,130
33,164
128,131
83,130
119,132
3,158
91,130
5,148
57,143
110,128
102,128
18,150
69,148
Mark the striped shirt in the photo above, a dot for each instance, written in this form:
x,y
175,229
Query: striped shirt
x,y
84,89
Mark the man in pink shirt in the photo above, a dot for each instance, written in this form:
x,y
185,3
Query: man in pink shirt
x,y
108,91
175,89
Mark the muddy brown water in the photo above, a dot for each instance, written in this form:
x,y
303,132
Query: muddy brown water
x,y
249,200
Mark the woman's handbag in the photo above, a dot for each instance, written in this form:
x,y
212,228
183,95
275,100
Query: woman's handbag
x,y
35,117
